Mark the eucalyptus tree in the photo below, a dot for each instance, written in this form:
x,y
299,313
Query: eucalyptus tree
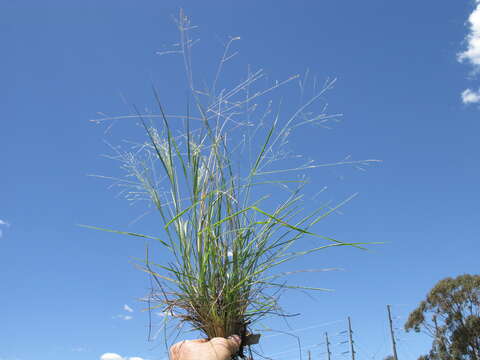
x,y
450,314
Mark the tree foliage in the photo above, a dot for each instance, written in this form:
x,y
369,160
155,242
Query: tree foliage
x,y
450,314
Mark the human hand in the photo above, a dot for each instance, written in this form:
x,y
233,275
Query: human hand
x,y
202,349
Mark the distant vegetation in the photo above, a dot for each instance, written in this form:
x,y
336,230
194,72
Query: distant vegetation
x,y
450,314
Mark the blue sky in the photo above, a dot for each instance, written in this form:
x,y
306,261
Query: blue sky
x,y
408,91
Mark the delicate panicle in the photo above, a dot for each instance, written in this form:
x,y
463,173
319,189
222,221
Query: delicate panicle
x,y
204,182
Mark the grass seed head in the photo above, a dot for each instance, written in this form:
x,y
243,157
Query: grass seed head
x,y
204,172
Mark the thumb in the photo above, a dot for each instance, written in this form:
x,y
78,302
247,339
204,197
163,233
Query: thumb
x,y
234,342
231,344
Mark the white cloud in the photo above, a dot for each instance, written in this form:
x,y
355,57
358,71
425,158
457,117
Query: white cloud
x,y
470,96
472,53
125,317
111,356
127,308
114,356
3,223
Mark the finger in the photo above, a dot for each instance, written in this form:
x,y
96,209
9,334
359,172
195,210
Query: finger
x,y
232,343
235,341
176,347
199,341
174,351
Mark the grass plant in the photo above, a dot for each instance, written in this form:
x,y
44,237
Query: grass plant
x,y
202,171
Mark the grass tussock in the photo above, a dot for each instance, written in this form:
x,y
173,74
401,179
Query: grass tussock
x,y
204,172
